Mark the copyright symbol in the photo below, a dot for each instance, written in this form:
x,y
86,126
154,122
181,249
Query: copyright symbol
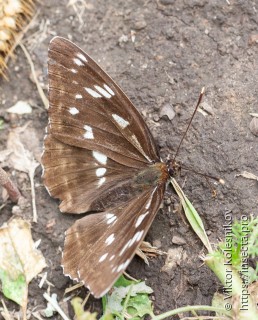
x,y
228,306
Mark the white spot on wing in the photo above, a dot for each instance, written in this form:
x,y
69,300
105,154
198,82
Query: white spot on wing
x,y
111,218
126,263
140,233
125,247
103,257
140,147
78,96
120,121
104,292
148,204
100,157
78,62
93,93
73,70
112,257
101,181
123,265
82,57
88,134
136,238
100,172
140,219
73,111
103,92
110,239
109,90
120,267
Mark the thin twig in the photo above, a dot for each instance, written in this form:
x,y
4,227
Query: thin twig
x,y
10,187
40,90
86,299
76,286
56,306
7,314
33,195
18,38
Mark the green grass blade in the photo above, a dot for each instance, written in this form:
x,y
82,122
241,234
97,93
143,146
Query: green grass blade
x,y
192,216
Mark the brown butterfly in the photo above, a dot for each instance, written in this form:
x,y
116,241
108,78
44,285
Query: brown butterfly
x,y
99,156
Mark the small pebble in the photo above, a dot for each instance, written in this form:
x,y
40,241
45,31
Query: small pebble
x,y
167,110
139,25
157,243
155,117
178,240
167,2
254,126
207,107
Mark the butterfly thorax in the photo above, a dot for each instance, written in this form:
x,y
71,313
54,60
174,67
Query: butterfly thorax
x,y
152,175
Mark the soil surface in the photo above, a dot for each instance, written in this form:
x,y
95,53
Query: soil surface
x,y
161,53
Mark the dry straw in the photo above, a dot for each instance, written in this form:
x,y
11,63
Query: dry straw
x,y
14,16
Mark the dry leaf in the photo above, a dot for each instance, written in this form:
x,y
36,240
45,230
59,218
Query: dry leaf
x,y
248,175
21,107
23,160
20,262
253,114
174,257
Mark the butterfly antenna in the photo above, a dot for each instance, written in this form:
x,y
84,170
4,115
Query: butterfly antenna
x,y
207,176
197,105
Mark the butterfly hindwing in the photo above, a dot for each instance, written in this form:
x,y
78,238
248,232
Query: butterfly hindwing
x,y
89,253
82,178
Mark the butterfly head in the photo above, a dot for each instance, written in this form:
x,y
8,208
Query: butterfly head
x,y
174,168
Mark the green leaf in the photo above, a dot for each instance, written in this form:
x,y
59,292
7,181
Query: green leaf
x,y
80,314
120,299
192,216
20,262
244,234
123,282
139,306
14,286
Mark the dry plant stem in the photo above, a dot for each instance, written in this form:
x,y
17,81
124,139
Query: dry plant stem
x,y
18,40
37,316
75,287
206,318
40,90
86,299
33,197
189,309
10,187
6,314
56,306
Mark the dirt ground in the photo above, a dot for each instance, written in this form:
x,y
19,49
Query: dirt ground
x,y
161,53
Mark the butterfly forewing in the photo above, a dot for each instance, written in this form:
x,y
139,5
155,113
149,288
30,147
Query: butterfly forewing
x,y
77,84
89,253
99,155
